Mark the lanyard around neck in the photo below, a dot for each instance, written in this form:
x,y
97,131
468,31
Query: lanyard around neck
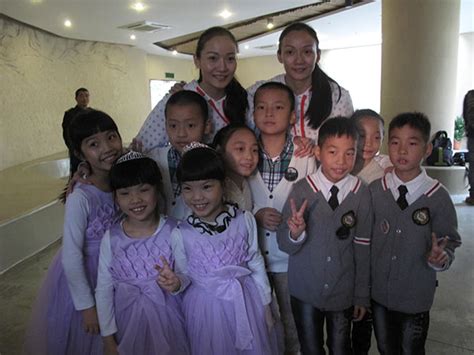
x,y
302,116
213,105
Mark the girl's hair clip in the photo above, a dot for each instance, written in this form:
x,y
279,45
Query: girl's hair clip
x,y
194,145
131,155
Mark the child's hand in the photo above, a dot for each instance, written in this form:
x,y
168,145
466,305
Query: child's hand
x,y
268,218
82,173
110,345
269,320
437,256
304,146
296,222
177,87
90,322
359,313
136,145
167,279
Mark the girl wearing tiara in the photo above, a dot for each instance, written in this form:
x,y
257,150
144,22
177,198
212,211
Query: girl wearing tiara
x,y
136,315
64,319
226,304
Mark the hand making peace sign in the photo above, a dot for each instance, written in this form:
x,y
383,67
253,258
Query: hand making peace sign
x,y
296,222
167,279
437,256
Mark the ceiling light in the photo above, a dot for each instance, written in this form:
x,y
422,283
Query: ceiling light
x,y
67,23
175,52
225,14
246,46
133,37
138,6
270,24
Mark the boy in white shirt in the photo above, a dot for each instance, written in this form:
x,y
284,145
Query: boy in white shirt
x,y
414,236
278,169
187,121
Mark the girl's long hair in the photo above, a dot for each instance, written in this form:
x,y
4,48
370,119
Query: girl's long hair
x,y
83,126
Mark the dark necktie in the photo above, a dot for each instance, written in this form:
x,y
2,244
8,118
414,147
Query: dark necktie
x,y
333,202
402,201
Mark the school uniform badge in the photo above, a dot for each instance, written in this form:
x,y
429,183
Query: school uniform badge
x,y
348,221
421,216
291,174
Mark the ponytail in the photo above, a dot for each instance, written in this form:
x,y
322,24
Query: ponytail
x,y
320,105
236,104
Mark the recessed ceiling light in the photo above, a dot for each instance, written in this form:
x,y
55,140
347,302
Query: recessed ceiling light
x,y
270,24
225,14
133,37
138,6
175,52
246,46
67,23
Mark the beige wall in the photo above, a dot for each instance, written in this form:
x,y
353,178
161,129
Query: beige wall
x,y
39,73
157,66
465,69
250,70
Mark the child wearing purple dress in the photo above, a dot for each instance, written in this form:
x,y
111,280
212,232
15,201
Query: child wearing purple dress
x,y
64,318
136,315
218,264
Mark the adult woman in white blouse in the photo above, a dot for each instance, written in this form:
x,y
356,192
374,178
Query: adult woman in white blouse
x,y
318,97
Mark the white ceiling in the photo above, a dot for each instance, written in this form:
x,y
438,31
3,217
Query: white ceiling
x,y
98,20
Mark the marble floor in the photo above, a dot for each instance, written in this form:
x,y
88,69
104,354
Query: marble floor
x,y
452,316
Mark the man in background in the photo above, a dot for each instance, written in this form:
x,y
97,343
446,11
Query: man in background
x,y
82,100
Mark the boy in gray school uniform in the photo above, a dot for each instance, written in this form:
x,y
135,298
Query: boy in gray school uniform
x,y
327,236
414,236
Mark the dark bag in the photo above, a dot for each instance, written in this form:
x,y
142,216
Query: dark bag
x,y
459,158
442,154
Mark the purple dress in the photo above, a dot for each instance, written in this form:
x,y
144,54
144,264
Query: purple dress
x,y
149,319
223,308
56,326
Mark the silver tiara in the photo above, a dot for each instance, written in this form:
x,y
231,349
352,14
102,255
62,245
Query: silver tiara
x,y
194,145
131,155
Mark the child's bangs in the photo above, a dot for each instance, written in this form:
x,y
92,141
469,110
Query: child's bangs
x,y
135,172
89,123
201,164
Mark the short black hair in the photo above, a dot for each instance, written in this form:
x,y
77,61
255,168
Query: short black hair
x,y
274,85
415,120
135,172
188,97
337,127
78,91
87,124
201,164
